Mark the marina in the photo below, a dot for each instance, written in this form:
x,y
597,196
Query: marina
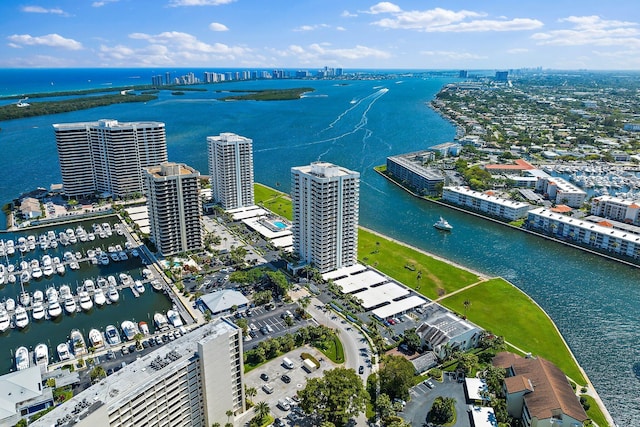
x,y
75,292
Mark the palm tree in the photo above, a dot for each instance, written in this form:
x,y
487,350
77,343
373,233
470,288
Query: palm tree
x,y
250,391
262,409
466,304
229,413
215,425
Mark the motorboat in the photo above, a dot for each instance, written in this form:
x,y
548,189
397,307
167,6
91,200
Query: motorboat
x,y
156,285
10,304
11,278
2,273
174,318
125,279
112,335
60,268
161,321
129,329
147,273
24,298
38,296
89,286
144,328
10,247
5,320
65,291
25,276
22,358
139,286
63,351
22,318
113,294
85,300
70,305
52,294
54,309
443,224
36,272
31,242
42,355
38,311
78,344
47,266
95,339
98,297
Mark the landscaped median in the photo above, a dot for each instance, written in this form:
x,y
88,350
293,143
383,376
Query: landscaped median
x,y
494,305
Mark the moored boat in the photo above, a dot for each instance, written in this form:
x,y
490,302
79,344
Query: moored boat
x,y
443,224
95,339
5,320
139,286
112,335
10,304
42,355
113,294
54,309
129,329
38,311
156,285
63,351
70,305
98,297
22,318
144,328
174,318
78,344
161,321
85,301
22,358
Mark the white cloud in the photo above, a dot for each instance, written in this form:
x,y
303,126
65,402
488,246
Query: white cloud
x,y
592,30
311,27
216,26
40,9
347,14
517,50
318,52
445,20
103,3
341,29
452,55
176,3
52,40
187,43
384,7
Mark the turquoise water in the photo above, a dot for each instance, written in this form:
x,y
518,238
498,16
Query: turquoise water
x,y
593,301
279,224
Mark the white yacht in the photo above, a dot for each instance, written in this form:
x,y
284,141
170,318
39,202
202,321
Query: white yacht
x,y
174,318
63,351
89,286
156,285
22,318
70,305
25,276
10,304
129,329
65,291
95,339
42,355
47,266
22,358
60,268
38,296
38,312
2,273
144,328
113,294
161,321
5,320
54,309
10,247
98,297
11,278
139,286
442,224
78,344
85,301
112,335
24,298
31,242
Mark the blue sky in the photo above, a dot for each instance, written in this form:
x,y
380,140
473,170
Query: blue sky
x,y
309,34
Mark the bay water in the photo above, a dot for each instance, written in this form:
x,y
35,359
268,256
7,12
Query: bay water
x,y
357,124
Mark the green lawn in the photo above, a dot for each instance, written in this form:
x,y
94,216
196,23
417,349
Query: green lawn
x,y
500,307
274,200
594,411
437,277
334,350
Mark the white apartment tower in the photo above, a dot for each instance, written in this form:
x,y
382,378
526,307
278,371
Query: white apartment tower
x,y
231,170
325,215
173,202
192,382
107,156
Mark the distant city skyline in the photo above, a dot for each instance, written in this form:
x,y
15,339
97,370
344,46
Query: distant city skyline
x,y
309,35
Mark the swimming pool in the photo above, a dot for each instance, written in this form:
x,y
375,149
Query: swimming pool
x,y
281,225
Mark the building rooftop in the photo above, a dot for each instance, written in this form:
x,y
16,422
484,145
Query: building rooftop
x,y
170,169
488,197
223,300
378,294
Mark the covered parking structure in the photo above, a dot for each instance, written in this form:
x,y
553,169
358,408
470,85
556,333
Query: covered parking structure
x,y
344,272
398,307
359,281
381,294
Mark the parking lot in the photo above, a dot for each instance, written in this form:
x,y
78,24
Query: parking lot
x,y
264,323
274,370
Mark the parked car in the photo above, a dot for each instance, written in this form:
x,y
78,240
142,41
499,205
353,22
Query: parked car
x,y
361,370
429,384
264,376
286,379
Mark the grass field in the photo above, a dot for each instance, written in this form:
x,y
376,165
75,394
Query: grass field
x,y
594,411
427,275
334,350
500,307
276,201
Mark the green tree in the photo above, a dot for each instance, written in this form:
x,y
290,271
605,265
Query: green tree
x,y
97,373
250,391
443,410
384,406
396,376
262,409
229,414
412,339
467,362
494,377
336,397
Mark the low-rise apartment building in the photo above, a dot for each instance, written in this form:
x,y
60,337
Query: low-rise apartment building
x,y
497,207
561,191
616,208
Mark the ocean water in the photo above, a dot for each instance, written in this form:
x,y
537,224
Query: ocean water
x,y
358,124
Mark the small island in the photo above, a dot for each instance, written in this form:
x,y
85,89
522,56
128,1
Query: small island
x,y
268,94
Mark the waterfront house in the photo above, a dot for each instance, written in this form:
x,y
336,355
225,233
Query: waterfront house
x,y
538,392
22,395
30,208
446,332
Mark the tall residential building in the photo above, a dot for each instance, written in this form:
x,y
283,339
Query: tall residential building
x,y
173,201
192,382
325,215
231,170
107,157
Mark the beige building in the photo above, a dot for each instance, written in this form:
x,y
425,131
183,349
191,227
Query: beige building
x,y
193,381
616,208
107,156
231,170
325,201
498,207
173,202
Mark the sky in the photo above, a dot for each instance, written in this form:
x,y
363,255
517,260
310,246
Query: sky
x,y
311,34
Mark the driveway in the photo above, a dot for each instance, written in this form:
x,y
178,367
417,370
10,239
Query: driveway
x,y
422,397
